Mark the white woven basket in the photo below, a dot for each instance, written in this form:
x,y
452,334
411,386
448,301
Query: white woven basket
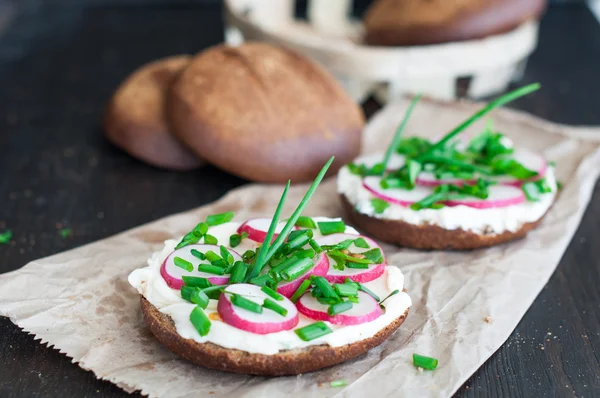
x,y
332,38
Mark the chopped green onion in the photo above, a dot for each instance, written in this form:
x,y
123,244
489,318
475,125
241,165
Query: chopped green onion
x,y
368,291
196,281
331,227
374,255
6,236
248,255
307,253
337,383
339,308
65,232
200,230
273,306
184,264
301,290
200,321
211,256
396,140
297,269
274,272
343,245
357,260
263,254
414,168
345,289
361,242
313,243
272,293
328,300
238,273
357,265
297,242
242,302
217,219
506,98
213,292
389,295
220,263
235,240
313,331
324,286
543,186
210,240
532,192
305,222
260,280
379,205
194,295
424,362
198,255
211,269
228,257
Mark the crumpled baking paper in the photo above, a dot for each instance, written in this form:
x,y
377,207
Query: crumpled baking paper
x,y
80,303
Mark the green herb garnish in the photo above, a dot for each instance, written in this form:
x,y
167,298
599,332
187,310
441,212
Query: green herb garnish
x,y
65,232
313,331
305,222
238,273
338,308
242,302
212,269
301,290
218,219
337,383
210,240
6,236
195,281
273,306
424,362
361,242
272,293
183,264
331,227
200,321
379,205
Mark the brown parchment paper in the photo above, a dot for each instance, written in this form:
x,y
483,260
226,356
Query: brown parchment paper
x,y
80,303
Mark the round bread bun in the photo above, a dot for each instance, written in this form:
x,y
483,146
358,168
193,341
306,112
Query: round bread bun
x,y
427,236
290,362
421,22
135,116
264,113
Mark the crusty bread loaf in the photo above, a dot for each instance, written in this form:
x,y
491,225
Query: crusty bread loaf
x,y
426,236
290,362
135,116
420,22
264,113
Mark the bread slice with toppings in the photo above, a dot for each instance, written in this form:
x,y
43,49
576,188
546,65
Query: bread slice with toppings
x,y
289,362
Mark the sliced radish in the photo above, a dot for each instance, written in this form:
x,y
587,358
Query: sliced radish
x,y
356,274
531,160
172,274
366,310
402,197
319,269
428,179
265,323
257,229
499,196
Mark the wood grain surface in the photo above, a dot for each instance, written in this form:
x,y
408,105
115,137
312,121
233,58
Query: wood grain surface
x,y
59,65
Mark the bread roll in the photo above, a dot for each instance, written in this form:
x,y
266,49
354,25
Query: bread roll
x,y
420,22
135,117
264,113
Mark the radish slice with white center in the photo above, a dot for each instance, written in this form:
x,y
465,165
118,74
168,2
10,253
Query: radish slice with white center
x,y
319,269
172,274
499,196
257,229
402,197
366,310
266,322
360,275
530,160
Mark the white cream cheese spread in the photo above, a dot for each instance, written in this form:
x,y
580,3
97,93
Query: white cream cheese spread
x,y
150,284
481,221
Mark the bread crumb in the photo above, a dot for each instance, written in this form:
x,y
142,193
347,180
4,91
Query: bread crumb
x,y
214,316
488,319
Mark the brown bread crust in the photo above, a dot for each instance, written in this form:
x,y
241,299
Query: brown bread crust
x,y
421,22
290,362
264,113
427,236
135,118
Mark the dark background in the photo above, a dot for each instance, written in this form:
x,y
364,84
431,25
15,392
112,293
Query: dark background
x,y
59,63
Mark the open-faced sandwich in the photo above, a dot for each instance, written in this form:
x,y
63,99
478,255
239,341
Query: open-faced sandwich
x,y
271,298
451,194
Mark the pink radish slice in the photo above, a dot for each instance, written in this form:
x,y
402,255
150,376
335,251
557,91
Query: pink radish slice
x,y
356,274
402,197
265,323
257,229
499,196
172,274
531,160
366,310
319,269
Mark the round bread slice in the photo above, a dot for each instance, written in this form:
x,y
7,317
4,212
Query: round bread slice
x,y
427,236
135,116
289,362
264,113
409,23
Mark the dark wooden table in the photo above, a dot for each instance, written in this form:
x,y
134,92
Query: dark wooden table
x,y
59,64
